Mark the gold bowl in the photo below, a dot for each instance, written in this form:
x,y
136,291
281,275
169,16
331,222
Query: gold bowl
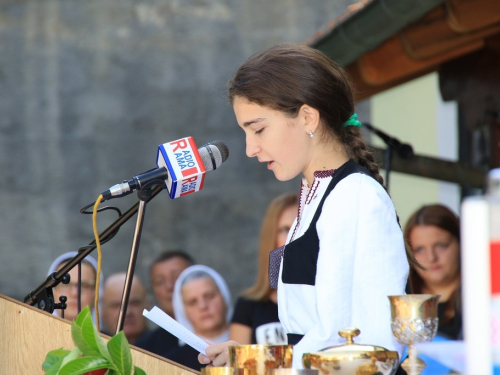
x,y
351,358
223,371
293,371
260,359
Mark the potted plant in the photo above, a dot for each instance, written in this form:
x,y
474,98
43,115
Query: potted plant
x,y
91,355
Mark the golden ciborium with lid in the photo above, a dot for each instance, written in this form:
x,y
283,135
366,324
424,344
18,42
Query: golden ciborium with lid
x,y
351,358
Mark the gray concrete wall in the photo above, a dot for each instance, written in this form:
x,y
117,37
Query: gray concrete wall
x,y
89,89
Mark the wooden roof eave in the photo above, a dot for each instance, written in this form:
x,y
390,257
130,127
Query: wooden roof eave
x,y
452,29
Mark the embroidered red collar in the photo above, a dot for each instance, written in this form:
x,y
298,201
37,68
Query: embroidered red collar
x,y
324,174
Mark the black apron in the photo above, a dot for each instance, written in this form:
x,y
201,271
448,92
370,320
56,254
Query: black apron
x,y
300,256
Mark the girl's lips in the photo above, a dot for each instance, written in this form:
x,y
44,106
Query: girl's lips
x,y
270,164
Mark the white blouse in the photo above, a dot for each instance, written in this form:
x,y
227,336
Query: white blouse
x,y
361,261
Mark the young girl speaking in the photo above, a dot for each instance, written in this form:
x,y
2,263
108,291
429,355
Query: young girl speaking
x,y
345,252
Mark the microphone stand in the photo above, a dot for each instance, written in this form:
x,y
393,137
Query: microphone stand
x,y
43,296
404,150
387,165
144,197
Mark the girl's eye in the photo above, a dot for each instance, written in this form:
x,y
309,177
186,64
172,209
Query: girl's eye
x,y
259,131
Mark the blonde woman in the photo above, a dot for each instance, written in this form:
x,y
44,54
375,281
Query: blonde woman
x,y
255,319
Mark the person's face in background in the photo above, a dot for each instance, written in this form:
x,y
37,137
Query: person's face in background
x,y
205,307
285,222
135,323
438,251
71,290
163,278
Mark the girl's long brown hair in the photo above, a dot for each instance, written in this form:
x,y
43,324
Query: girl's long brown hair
x,y
261,290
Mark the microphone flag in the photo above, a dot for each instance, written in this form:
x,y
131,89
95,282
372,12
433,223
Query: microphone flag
x,y
186,171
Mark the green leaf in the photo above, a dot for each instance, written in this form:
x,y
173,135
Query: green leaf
x,y
80,342
83,365
119,350
54,369
83,314
53,356
54,359
75,353
94,339
139,371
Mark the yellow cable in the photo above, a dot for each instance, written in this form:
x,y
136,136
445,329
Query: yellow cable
x,y
99,259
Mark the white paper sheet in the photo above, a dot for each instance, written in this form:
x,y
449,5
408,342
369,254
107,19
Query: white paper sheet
x,y
161,318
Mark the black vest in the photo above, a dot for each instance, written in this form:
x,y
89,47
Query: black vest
x,y
300,256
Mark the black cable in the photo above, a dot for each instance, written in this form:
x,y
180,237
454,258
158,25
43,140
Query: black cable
x,y
85,212
112,234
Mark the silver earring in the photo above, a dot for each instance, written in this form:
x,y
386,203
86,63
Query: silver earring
x,y
311,133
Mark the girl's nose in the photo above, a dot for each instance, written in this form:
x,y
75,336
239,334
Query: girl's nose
x,y
252,149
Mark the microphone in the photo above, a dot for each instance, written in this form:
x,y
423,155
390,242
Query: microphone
x,y
404,150
181,166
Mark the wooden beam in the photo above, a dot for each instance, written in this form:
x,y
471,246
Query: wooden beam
x,y
463,174
470,15
363,90
391,62
446,33
433,35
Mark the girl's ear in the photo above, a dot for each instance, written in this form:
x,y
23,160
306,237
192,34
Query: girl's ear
x,y
310,118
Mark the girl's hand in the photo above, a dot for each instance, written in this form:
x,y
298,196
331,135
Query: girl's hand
x,y
217,354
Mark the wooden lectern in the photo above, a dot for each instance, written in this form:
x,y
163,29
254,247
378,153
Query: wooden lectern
x,y
27,334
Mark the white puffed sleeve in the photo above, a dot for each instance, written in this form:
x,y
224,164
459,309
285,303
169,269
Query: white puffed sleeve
x,y
361,261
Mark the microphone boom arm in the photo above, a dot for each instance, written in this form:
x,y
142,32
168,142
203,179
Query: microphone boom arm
x,y
39,295
404,150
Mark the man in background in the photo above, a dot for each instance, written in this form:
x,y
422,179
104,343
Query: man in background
x,y
135,324
164,272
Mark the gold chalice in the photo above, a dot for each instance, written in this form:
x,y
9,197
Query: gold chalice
x,y
414,320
